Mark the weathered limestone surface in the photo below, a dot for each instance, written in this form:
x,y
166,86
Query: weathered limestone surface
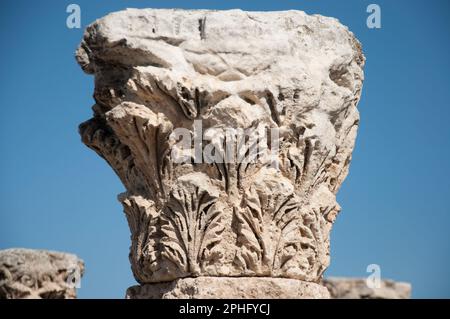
x,y
356,288
224,287
38,274
266,216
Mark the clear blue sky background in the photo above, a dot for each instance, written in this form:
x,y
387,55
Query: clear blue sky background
x,y
57,194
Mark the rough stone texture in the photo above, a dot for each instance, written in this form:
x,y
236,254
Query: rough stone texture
x,y
223,287
356,288
38,274
160,70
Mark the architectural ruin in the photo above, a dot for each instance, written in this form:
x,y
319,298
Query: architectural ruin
x,y
197,220
39,274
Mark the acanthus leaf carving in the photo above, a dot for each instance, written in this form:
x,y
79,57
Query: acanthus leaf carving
x,y
147,136
192,225
272,229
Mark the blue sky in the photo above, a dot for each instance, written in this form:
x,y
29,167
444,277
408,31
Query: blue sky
x,y
57,194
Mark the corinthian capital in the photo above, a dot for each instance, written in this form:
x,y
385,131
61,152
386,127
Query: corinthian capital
x,y
221,78
39,274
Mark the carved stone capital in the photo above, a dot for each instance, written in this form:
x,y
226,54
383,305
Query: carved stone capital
x,y
39,274
163,76
357,288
